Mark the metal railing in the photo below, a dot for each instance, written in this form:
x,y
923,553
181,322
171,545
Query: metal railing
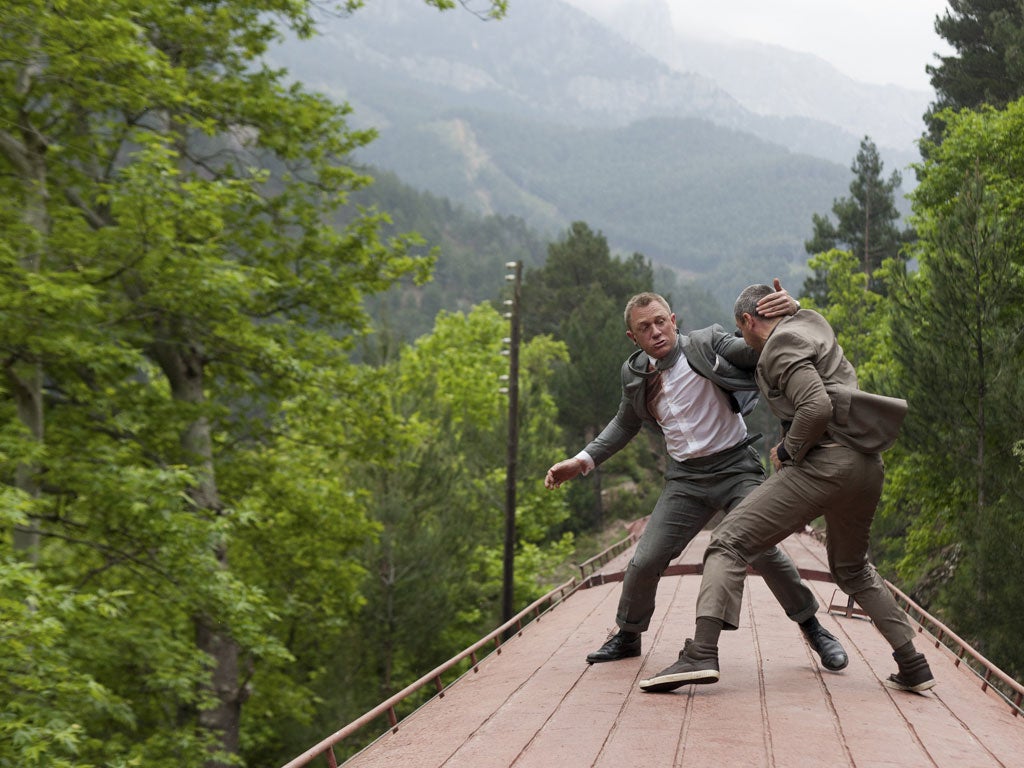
x,y
991,677
534,611
587,567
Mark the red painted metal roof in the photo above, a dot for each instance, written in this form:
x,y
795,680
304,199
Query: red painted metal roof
x,y
538,704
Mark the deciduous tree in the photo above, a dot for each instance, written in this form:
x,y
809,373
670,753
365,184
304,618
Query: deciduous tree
x,y
175,288
434,570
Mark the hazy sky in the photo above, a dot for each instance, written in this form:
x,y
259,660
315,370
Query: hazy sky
x,y
876,41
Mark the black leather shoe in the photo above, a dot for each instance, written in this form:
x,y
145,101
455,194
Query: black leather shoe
x,y
622,645
825,644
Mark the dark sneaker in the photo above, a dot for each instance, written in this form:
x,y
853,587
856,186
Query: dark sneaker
x,y
914,675
687,670
621,645
828,648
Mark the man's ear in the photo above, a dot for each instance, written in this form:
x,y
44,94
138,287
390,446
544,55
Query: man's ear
x,y
629,334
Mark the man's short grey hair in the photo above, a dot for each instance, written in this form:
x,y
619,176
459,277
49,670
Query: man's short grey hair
x,y
642,300
746,302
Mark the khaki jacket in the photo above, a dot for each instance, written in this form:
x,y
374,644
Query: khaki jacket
x,y
811,386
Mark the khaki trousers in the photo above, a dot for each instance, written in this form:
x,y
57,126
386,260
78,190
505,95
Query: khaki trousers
x,y
694,491
835,482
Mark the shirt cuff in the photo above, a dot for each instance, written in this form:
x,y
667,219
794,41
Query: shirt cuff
x,y
588,462
782,453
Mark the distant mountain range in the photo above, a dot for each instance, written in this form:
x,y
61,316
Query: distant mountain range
x,y
772,81
709,158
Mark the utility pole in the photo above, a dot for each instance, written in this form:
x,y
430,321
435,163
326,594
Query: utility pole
x,y
515,276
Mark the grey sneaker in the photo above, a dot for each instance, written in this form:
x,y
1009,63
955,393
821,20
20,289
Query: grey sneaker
x,y
913,675
687,670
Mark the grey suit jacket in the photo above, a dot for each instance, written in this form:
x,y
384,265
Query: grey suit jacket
x,y
811,386
721,357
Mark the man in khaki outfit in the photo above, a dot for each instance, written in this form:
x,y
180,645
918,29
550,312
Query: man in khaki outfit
x,y
827,464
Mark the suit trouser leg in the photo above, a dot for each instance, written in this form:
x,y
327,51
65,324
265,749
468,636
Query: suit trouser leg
x,y
847,538
677,517
775,567
691,496
837,482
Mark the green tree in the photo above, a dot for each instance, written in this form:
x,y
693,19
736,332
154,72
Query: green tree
x,y
988,64
42,724
434,572
856,314
958,330
866,222
578,297
172,274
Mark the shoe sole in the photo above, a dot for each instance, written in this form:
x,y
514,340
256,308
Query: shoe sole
x,y
596,660
912,688
671,682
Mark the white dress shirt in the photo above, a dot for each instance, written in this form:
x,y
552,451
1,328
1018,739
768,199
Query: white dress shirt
x,y
694,414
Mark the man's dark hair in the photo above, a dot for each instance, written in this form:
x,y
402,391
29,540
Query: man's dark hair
x,y
746,302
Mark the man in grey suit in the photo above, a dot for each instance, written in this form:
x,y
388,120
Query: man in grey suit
x,y
691,388
827,464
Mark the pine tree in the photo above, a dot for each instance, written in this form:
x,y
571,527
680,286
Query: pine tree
x,y
578,297
957,330
866,223
988,64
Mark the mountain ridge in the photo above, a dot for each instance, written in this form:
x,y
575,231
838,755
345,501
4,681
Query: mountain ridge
x,y
551,116
761,77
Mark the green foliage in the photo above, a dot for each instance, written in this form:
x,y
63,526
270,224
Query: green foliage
x,y
492,9
434,569
987,67
957,330
173,271
855,313
866,223
578,296
49,700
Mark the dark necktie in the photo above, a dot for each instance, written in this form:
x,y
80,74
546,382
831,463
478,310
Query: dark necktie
x,y
654,387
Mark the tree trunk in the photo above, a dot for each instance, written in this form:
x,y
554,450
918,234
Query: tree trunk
x,y
23,372
183,364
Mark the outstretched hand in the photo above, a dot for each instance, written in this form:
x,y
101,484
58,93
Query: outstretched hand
x,y
778,303
562,471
